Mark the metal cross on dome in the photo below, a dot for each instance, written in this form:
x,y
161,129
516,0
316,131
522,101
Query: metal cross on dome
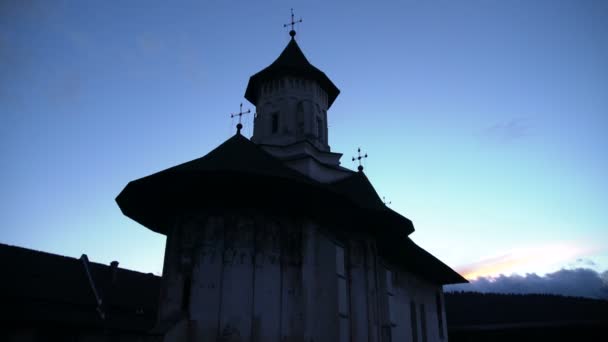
x,y
240,114
359,157
292,33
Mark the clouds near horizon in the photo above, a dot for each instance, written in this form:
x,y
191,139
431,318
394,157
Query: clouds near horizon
x,y
579,282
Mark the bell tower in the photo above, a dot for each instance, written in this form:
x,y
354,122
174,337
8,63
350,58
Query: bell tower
x,y
291,98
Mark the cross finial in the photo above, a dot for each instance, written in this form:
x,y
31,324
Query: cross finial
x,y
293,22
359,157
386,203
240,114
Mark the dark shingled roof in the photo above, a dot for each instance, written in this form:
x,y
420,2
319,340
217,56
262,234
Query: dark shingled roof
x,y
240,174
53,290
393,243
358,189
291,62
239,154
238,167
220,179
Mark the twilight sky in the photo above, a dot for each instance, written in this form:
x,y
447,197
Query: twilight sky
x,y
486,122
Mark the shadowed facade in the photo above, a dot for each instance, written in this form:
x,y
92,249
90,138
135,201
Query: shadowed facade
x,y
271,239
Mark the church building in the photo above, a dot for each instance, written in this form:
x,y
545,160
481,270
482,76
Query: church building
x,y
270,239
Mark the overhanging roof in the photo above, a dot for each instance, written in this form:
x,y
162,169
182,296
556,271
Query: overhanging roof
x,y
239,174
291,62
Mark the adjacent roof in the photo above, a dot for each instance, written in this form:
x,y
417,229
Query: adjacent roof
x,y
291,62
415,259
53,289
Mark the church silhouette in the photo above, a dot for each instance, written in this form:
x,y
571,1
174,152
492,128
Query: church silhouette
x,y
268,239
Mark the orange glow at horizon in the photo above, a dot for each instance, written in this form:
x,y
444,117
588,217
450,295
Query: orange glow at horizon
x,y
516,260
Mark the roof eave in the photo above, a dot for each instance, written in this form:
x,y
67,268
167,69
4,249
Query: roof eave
x,y
251,92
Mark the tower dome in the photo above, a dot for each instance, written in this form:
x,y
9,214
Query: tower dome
x,y
292,98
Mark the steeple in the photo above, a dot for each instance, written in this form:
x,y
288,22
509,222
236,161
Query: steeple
x,y
292,98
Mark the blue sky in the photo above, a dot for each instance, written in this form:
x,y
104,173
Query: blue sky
x,y
485,121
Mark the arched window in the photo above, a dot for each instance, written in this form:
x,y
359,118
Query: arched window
x,y
275,122
319,128
300,118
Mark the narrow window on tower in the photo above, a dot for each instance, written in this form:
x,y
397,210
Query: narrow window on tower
x,y
319,128
413,321
275,122
300,118
343,303
439,314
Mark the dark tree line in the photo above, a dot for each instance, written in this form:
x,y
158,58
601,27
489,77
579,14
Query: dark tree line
x,y
473,308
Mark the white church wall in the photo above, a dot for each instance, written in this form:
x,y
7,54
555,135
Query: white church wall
x,y
320,285
237,280
292,320
412,289
267,282
359,291
177,332
171,288
207,281
373,309
401,331
261,279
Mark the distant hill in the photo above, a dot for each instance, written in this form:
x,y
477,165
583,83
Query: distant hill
x,y
473,308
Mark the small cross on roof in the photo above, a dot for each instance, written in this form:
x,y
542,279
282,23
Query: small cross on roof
x,y
293,22
360,168
240,114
